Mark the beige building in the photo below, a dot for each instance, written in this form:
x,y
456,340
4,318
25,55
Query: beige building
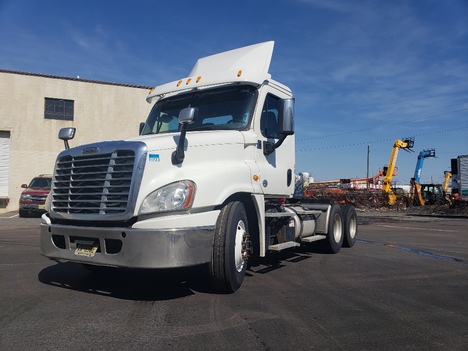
x,y
33,109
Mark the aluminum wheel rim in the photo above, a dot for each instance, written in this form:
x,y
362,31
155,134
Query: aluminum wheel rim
x,y
238,257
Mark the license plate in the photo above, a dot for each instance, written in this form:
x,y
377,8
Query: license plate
x,y
86,250
41,207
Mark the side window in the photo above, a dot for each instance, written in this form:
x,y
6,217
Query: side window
x,y
269,118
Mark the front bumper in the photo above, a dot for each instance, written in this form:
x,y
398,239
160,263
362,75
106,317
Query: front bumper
x,y
37,207
144,245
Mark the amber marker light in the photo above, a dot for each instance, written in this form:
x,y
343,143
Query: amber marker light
x,y
198,79
179,82
188,81
255,177
151,90
239,73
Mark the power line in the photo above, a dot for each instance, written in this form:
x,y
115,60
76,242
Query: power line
x,y
329,147
383,125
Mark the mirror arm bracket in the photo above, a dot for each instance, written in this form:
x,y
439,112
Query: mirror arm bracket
x,y
178,155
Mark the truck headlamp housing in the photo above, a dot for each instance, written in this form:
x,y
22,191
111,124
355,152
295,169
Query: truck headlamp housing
x,y
172,197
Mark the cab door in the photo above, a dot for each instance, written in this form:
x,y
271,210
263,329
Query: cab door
x,y
276,165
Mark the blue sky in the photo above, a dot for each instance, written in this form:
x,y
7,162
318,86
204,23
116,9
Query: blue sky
x,y
364,72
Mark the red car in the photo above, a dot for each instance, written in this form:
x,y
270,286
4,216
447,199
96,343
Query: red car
x,y
33,198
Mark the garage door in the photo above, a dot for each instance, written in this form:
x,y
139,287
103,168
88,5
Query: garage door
x,y
4,162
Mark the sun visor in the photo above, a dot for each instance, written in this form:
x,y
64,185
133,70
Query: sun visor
x,y
248,64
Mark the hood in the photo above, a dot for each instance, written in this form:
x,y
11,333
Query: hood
x,y
163,142
32,191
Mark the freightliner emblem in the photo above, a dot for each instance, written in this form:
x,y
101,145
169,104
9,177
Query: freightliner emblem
x,y
90,150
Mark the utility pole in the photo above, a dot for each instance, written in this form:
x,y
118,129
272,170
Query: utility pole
x,y
367,173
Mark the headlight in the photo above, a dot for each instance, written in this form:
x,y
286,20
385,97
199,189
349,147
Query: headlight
x,y
26,197
172,197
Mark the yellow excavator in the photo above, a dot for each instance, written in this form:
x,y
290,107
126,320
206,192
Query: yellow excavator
x,y
405,144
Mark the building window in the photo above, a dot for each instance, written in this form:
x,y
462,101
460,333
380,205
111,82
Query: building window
x,y
59,109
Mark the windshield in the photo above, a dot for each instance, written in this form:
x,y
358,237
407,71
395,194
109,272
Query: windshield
x,y
218,109
40,183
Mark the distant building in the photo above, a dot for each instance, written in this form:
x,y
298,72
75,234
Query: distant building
x,y
35,106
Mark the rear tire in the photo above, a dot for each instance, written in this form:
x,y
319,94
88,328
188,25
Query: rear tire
x,y
230,246
350,225
335,234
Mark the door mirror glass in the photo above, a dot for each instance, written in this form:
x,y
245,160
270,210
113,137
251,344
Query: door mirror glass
x,y
286,116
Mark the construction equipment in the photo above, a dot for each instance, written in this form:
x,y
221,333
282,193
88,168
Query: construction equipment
x,y
406,144
416,195
445,186
375,180
436,194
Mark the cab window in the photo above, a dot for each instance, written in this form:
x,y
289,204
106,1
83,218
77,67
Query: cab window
x,y
269,118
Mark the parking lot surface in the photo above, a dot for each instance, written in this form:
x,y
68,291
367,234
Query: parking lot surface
x,y
403,286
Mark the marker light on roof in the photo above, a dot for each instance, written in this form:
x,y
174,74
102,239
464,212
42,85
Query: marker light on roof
x,y
239,73
198,79
188,81
179,82
151,90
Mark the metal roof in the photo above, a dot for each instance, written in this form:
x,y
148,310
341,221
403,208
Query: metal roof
x,y
74,79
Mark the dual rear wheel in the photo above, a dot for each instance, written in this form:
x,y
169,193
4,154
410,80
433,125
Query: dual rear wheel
x,y
342,228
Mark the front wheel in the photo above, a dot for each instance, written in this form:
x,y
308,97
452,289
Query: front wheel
x,y
230,248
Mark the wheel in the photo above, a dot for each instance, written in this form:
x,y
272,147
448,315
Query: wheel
x,y
24,213
335,234
230,248
350,225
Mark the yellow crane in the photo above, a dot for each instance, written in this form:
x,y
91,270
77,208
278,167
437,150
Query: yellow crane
x,y
406,144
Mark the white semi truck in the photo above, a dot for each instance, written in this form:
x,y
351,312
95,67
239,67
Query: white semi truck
x,y
210,180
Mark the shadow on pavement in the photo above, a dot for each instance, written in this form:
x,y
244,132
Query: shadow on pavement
x,y
154,285
138,285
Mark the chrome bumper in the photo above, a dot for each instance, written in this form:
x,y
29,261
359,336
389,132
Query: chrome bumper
x,y
130,247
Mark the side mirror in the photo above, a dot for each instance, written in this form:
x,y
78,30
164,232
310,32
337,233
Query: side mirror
x,y
24,186
188,115
285,125
66,134
286,116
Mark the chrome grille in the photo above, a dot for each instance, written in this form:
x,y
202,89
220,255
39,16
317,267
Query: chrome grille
x,y
93,184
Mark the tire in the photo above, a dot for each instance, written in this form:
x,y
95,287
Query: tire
x,y
230,249
350,225
335,233
24,213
